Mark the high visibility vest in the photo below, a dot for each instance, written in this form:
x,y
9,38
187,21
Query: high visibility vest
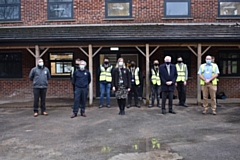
x,y
215,80
155,78
181,73
105,75
136,77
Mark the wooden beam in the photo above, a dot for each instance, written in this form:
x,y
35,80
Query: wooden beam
x,y
147,75
90,63
97,51
44,52
31,52
140,51
37,52
84,51
206,50
190,48
199,61
154,51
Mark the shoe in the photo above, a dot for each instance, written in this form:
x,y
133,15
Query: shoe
x,y
44,113
150,106
129,105
74,115
214,113
204,112
179,104
159,105
120,113
35,114
100,106
218,105
164,112
185,105
172,112
137,105
83,115
123,112
108,106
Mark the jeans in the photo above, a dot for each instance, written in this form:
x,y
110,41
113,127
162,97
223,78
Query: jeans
x,y
80,98
39,93
170,99
155,91
105,87
181,92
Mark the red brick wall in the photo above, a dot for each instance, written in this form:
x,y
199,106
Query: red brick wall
x,y
34,12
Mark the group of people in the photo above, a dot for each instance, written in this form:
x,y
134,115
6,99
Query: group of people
x,y
125,82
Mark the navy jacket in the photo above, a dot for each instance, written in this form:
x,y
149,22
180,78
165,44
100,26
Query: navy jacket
x,y
165,77
81,79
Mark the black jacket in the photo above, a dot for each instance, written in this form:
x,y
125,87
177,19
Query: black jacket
x,y
40,77
125,75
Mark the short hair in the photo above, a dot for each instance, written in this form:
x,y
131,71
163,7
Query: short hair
x,y
82,61
167,57
105,58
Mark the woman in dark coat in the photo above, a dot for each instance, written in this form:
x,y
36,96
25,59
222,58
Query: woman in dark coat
x,y
121,84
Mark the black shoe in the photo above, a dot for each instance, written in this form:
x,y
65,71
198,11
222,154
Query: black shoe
x,y
108,106
159,105
164,112
137,105
74,115
179,104
100,106
150,106
218,105
129,105
172,112
185,105
123,112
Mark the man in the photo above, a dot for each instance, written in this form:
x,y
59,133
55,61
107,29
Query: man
x,y
73,69
181,81
81,80
136,79
105,79
208,73
168,76
156,84
40,76
217,104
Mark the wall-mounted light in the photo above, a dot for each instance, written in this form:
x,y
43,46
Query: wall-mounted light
x,y
114,48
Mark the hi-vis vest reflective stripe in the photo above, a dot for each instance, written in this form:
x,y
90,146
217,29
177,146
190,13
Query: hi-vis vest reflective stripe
x,y
181,73
155,78
136,77
214,81
105,75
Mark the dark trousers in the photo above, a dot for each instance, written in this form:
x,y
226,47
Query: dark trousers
x,y
181,92
121,104
39,93
166,94
155,92
80,98
134,92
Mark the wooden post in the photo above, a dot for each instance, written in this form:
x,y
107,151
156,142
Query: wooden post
x,y
147,75
37,54
90,63
199,61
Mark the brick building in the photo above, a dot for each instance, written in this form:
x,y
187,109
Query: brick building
x,y
60,31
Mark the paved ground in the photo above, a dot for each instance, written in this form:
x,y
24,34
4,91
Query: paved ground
x,y
142,134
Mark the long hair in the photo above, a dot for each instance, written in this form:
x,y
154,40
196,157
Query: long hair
x,y
124,66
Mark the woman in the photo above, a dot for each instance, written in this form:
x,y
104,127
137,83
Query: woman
x,y
121,84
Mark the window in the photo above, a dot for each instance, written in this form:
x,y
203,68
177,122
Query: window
x,y
229,63
61,63
185,54
10,65
177,8
10,10
118,8
229,8
60,9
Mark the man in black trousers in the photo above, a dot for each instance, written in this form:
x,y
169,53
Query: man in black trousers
x,y
168,76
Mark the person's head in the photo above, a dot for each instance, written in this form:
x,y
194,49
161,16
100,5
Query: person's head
x,y
213,59
167,60
133,64
40,62
82,64
156,63
208,59
179,60
106,61
120,63
77,62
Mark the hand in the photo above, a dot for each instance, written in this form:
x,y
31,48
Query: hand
x,y
176,84
128,89
207,81
169,83
185,83
113,88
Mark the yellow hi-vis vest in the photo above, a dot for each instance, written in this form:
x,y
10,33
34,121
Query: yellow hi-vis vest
x,y
105,75
181,73
136,77
214,81
155,78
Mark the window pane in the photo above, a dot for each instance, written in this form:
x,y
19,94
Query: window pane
x,y
177,8
61,56
9,12
118,9
60,10
60,0
234,66
9,1
230,8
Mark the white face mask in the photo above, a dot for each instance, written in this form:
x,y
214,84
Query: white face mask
x,y
81,66
120,63
40,64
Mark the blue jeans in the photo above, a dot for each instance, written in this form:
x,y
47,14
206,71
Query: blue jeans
x,y
80,98
105,87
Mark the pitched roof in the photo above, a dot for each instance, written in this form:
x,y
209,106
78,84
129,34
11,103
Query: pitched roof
x,y
121,33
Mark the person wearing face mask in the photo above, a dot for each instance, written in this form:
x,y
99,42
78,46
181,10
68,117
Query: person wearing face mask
x,y
136,81
105,80
81,80
73,69
156,84
168,76
181,81
121,84
208,73
40,76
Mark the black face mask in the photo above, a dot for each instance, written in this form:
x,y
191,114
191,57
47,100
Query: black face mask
x,y
106,63
156,64
132,64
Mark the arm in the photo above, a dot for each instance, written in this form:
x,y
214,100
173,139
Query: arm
x,y
129,80
113,79
163,79
31,74
48,74
175,75
89,78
